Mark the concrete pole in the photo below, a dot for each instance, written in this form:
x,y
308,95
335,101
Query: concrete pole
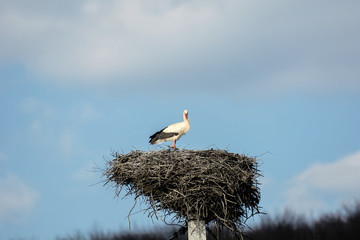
x,y
196,230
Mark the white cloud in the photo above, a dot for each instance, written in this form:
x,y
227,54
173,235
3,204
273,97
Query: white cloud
x,y
17,199
103,39
273,45
323,186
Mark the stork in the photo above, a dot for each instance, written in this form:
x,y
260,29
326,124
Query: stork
x,y
172,132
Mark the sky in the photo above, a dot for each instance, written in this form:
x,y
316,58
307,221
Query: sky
x,y
279,80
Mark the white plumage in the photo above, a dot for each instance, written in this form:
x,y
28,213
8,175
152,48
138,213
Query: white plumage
x,y
172,132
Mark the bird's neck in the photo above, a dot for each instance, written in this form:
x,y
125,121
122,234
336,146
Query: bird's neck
x,y
186,119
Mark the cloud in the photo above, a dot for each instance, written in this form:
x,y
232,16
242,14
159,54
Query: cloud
x,y
223,45
17,199
326,185
100,39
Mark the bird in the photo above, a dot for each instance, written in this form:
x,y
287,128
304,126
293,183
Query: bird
x,y
172,132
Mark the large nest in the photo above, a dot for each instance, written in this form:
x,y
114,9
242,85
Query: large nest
x,y
214,185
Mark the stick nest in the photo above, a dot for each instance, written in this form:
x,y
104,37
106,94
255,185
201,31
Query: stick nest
x,y
214,185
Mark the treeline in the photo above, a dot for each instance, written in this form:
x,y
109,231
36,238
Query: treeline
x,y
288,226
159,234
344,226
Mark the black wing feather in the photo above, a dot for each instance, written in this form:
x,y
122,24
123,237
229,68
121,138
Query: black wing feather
x,y
161,135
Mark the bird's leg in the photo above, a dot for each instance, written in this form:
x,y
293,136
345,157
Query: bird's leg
x,y
174,144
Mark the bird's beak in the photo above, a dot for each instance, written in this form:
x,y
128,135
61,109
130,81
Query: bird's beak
x,y
186,115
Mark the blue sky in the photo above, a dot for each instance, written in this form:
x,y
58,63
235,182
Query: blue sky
x,y
279,80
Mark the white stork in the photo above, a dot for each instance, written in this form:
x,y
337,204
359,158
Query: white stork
x,y
172,132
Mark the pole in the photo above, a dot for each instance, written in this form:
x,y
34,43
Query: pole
x,y
196,229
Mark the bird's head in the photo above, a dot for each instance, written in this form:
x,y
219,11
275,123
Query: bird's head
x,y
186,114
